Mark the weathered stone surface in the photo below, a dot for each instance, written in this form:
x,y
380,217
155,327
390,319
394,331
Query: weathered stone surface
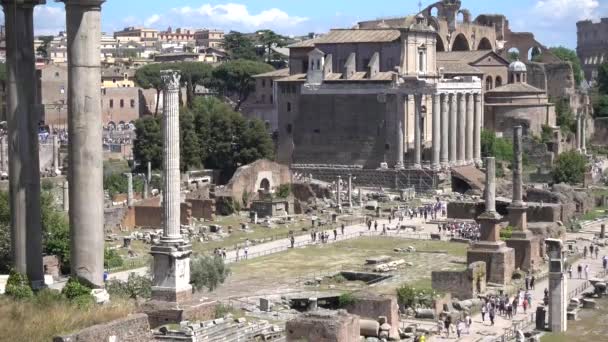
x,y
589,304
134,328
324,326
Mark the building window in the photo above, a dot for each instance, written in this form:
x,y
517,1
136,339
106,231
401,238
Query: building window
x,y
422,60
289,128
289,106
263,83
122,103
498,81
132,103
111,103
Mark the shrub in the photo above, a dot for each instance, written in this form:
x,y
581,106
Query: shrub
x,y
408,296
569,168
48,297
506,233
73,289
111,259
225,206
346,299
283,191
207,272
18,286
135,287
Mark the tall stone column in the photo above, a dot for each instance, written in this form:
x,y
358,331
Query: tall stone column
x,y
417,132
470,122
490,191
171,281
477,127
66,196
445,131
437,140
339,192
453,129
462,107
146,188
579,134
83,23
583,135
399,135
129,189
2,154
56,154
350,191
22,117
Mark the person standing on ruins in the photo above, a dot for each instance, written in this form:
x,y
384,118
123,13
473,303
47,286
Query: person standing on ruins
x,y
376,225
532,281
579,268
585,251
342,229
587,271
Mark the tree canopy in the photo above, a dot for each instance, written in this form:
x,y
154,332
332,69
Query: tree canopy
x,y
148,77
236,78
270,39
212,134
569,168
240,46
602,78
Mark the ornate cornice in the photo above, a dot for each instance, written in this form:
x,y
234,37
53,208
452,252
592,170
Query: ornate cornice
x,y
95,4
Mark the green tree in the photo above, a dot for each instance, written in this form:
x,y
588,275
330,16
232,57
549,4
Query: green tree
x,y
569,168
270,39
240,46
600,106
602,78
564,117
189,142
18,286
236,78
117,183
193,74
569,55
513,56
499,148
148,77
148,146
43,48
207,272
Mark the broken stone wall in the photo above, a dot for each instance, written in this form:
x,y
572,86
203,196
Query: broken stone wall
x,y
463,284
373,306
600,137
149,214
252,178
134,328
324,326
202,208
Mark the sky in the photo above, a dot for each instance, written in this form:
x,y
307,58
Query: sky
x,y
552,21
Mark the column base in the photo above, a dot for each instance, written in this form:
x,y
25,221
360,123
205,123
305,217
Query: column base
x,y
171,272
399,166
499,259
417,166
518,217
527,251
436,167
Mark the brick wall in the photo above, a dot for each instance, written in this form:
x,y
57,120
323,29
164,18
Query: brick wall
x,y
134,328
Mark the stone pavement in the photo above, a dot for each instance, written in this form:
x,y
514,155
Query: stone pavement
x,y
483,331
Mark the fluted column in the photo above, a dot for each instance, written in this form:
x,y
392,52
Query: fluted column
x,y
453,129
436,132
129,189
171,189
583,134
66,197
462,107
579,133
477,129
445,130
470,122
2,154
22,117
399,131
417,133
490,191
350,191
83,22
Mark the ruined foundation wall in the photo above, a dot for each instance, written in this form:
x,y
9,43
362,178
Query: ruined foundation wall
x,y
134,328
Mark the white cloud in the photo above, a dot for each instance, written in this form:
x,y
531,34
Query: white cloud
x,y
228,16
49,20
152,20
567,9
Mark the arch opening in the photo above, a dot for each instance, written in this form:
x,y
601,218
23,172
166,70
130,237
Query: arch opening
x,y
484,44
439,47
535,54
498,81
489,83
461,43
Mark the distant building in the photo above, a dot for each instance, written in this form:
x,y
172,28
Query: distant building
x,y
209,38
592,46
262,103
177,35
118,77
179,57
147,37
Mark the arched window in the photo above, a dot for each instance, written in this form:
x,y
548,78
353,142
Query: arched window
x,y
489,83
498,81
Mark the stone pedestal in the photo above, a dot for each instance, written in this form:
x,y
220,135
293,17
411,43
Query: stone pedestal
x,y
558,293
171,272
499,259
527,253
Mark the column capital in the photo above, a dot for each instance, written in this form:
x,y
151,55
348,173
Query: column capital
x,y
170,79
83,3
23,3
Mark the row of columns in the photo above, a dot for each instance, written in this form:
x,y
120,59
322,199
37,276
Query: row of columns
x,y
83,23
456,130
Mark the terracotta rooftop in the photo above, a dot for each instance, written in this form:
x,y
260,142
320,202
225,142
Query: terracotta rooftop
x,y
466,56
391,22
275,73
459,68
358,36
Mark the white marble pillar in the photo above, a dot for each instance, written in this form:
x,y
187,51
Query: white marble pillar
x,y
453,129
23,115
445,131
129,189
462,122
350,191
399,135
171,157
477,129
579,134
417,132
470,131
146,187
436,132
66,197
490,191
339,192
56,154
583,135
83,23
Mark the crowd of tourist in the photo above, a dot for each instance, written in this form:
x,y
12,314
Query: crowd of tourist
x,y
463,230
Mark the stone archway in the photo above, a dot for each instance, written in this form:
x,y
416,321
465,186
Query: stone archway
x,y
534,54
439,46
461,43
265,185
484,44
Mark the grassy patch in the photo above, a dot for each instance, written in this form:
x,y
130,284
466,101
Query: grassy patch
x,y
40,320
595,214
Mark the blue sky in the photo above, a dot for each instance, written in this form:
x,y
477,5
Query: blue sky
x,y
552,21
